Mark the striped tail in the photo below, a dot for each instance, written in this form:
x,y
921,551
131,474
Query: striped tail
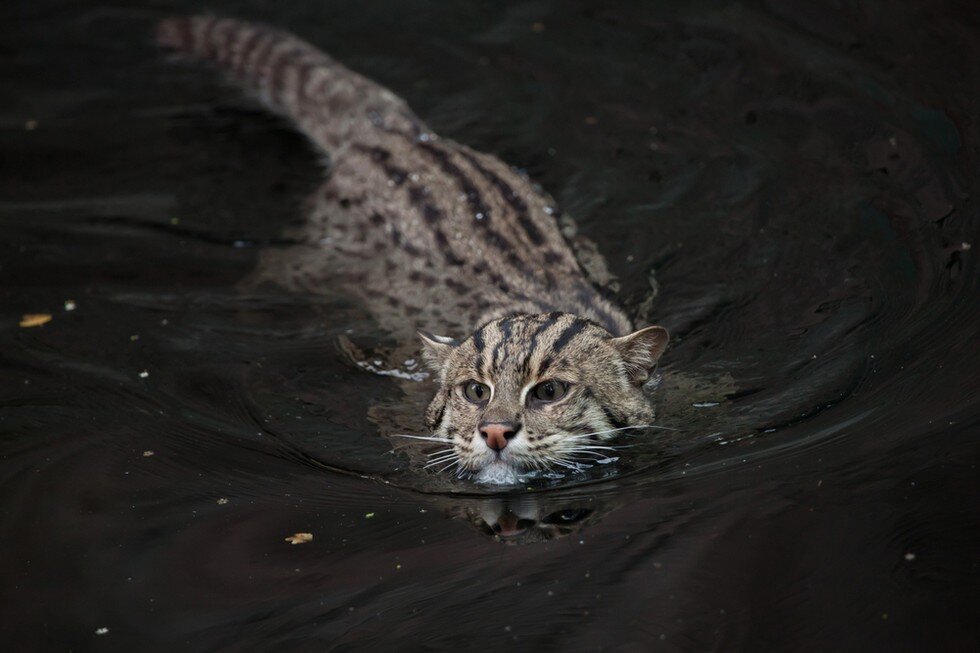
x,y
331,104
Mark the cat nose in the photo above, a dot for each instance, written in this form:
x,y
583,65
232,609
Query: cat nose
x,y
510,524
498,434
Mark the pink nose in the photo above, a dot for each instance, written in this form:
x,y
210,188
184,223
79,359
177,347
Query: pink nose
x,y
497,435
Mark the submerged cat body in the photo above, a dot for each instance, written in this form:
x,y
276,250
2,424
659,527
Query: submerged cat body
x,y
434,236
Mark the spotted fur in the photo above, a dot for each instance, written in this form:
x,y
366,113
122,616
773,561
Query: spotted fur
x,y
432,235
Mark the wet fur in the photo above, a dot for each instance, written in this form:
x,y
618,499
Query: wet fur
x,y
430,234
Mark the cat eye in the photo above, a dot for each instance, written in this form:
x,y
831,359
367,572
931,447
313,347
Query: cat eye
x,y
569,516
476,392
548,391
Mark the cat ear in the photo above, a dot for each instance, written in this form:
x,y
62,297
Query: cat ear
x,y
436,349
640,351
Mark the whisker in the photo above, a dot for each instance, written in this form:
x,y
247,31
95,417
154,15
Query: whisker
x,y
569,464
603,447
438,462
442,459
575,452
441,451
625,428
449,466
422,437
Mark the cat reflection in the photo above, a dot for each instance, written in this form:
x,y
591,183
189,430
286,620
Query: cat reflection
x,y
524,519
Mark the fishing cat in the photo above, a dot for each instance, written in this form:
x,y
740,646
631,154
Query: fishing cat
x,y
429,233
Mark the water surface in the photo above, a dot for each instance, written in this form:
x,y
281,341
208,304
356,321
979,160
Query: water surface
x,y
791,190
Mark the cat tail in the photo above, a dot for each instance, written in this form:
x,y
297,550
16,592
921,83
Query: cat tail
x,y
331,104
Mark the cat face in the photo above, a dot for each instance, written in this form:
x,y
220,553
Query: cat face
x,y
540,392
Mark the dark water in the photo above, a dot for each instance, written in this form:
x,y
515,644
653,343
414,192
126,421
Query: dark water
x,y
799,182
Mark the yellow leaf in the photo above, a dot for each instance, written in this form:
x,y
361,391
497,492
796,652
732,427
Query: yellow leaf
x,y
300,538
35,319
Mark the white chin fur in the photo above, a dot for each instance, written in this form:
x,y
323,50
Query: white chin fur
x,y
498,473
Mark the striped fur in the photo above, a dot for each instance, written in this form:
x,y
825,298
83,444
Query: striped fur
x,y
428,233
512,355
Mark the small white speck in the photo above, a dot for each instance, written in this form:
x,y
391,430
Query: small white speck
x,y
222,501
70,305
910,556
144,374
705,404
102,631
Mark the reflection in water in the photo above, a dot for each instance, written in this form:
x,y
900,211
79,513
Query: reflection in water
x,y
527,518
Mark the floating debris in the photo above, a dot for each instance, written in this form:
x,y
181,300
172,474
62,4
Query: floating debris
x,y
34,319
910,556
222,501
369,515
70,305
706,404
144,374
300,538
148,453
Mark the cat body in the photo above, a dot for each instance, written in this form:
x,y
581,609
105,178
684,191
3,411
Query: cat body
x,y
431,235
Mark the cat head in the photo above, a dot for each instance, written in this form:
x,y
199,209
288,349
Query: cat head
x,y
530,392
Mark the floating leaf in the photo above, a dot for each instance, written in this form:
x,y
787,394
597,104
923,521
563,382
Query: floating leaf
x,y
35,319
